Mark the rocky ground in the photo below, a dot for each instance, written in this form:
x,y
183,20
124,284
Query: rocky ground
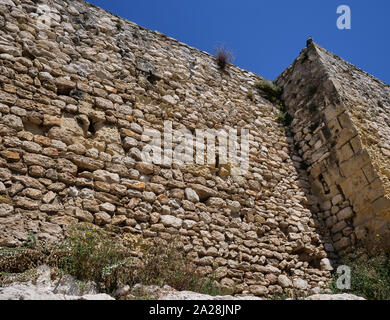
x,y
43,287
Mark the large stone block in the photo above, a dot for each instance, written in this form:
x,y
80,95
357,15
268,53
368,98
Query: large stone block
x,y
344,153
367,195
355,163
354,183
332,111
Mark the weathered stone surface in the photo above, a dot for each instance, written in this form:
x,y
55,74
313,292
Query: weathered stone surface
x,y
258,290
144,168
12,121
345,214
73,110
191,195
344,296
167,293
107,207
5,210
203,192
171,221
284,281
87,163
351,163
83,215
300,283
44,288
102,218
326,265
39,160
106,176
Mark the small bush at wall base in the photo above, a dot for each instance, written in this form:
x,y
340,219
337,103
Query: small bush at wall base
x,y
223,57
111,261
370,270
166,264
370,277
92,253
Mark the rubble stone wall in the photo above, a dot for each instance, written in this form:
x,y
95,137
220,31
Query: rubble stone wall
x,y
78,86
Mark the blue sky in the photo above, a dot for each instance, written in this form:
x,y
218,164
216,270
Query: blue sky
x,y
265,35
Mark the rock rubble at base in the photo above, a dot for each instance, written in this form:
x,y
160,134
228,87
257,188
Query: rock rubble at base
x,y
65,287
344,296
44,288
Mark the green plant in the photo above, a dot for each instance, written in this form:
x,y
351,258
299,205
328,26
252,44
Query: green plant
x,y
166,264
81,285
31,241
370,277
282,107
272,92
370,270
119,26
19,260
249,95
110,260
91,254
223,57
285,118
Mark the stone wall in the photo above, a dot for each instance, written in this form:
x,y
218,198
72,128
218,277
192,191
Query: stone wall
x,y
340,130
78,86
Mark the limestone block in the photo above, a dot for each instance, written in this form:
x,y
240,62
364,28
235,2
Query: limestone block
x,y
354,183
171,221
355,163
367,195
344,153
345,214
345,135
332,111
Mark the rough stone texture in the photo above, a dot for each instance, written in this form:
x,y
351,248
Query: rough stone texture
x,y
78,88
344,296
168,293
77,93
341,128
44,288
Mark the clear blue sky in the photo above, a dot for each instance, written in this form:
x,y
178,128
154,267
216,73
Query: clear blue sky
x,y
265,35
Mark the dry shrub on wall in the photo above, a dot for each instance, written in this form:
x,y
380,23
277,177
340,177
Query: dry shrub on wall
x,y
223,57
130,259
165,263
270,91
